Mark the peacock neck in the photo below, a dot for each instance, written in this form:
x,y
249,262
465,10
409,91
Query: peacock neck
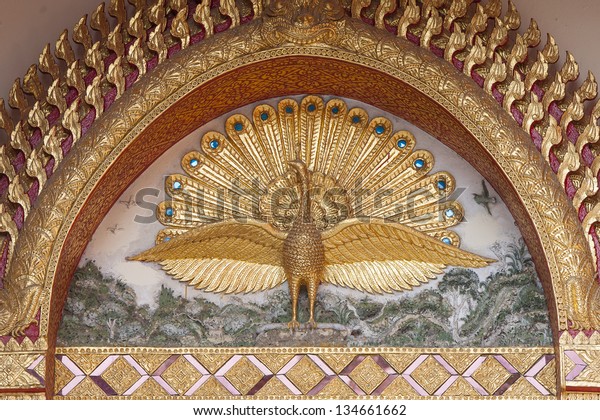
x,y
304,216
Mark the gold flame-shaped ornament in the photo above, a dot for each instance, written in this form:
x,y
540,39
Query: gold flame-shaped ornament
x,y
310,192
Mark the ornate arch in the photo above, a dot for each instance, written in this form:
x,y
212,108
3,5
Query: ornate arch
x,y
163,71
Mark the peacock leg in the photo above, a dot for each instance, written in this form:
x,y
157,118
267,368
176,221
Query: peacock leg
x,y
312,297
294,292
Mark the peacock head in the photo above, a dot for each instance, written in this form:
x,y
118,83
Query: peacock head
x,y
301,171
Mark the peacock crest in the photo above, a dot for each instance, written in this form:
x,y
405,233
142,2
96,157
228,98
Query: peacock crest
x,y
309,192
359,167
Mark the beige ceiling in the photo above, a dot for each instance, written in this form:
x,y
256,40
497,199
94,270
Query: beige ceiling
x,y
27,25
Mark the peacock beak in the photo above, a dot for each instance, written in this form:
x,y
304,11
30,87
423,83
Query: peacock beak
x,y
299,167
296,165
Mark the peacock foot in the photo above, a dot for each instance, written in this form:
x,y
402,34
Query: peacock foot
x,y
312,324
293,325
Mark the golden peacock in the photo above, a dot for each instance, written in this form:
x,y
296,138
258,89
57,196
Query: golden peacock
x,y
311,192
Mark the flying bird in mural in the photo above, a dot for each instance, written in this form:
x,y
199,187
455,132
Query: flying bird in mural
x,y
114,229
297,179
484,198
128,203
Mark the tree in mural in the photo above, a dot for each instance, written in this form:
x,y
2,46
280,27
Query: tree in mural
x,y
420,320
512,309
518,257
102,310
460,289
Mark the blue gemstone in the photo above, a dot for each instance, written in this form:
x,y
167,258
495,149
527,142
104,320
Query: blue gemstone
x,y
449,213
176,185
194,163
214,144
419,163
264,116
447,240
335,110
441,184
311,108
380,129
289,109
169,212
401,143
355,119
238,126
167,239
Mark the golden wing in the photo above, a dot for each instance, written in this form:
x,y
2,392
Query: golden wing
x,y
380,257
227,257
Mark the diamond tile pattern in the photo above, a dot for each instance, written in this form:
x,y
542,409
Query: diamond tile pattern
x,y
462,373
244,375
430,374
121,376
17,370
491,375
305,375
368,375
181,375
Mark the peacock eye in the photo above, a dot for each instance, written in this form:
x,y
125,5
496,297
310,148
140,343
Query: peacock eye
x,y
419,163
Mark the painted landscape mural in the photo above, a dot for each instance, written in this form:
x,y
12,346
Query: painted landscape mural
x,y
117,302
506,308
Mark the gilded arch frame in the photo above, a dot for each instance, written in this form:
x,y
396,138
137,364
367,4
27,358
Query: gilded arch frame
x,y
49,227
